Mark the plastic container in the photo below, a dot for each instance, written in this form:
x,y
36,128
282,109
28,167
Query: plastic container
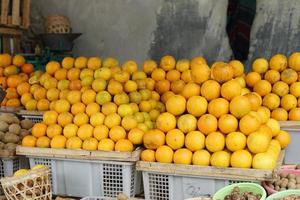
x,y
292,151
279,195
98,198
82,178
244,187
176,187
33,118
284,170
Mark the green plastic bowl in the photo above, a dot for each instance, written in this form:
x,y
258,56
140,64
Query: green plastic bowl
x,y
279,195
244,187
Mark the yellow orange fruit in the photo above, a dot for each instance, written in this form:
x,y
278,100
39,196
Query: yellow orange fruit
x,y
231,89
278,62
288,102
239,106
149,66
153,139
220,159
53,130
197,105
200,73
183,156
85,131
238,68
70,130
183,65
58,142
43,142
227,123
167,62
294,114
52,67
207,124
263,161
80,62
271,101
236,141
284,138
94,63
289,76
74,143
176,104
67,62
294,61
252,78
222,72
264,114
88,96
218,107
5,60
80,119
64,119
274,126
39,130
280,114
148,155
215,141
201,157
191,89
90,144
124,145
255,100
166,122
272,76
50,117
175,139
29,141
241,159
258,142
164,154
260,65
262,87
112,120
187,123
210,89
194,141
77,108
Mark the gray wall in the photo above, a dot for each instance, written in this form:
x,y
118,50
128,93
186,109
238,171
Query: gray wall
x,y
140,29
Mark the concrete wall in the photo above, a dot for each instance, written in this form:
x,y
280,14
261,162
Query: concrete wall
x,y
140,29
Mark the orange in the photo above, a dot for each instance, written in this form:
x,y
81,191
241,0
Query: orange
x,y
207,124
70,130
194,141
23,88
53,130
52,67
103,97
166,122
241,159
294,61
164,154
106,144
39,130
77,108
238,68
74,143
114,87
149,66
279,114
112,120
128,122
222,72
162,86
278,62
67,62
176,105
80,119
124,145
289,76
97,119
88,96
191,89
153,139
262,87
75,85
61,74
200,73
116,133
29,141
167,62
130,66
236,141
90,144
40,93
64,119
158,74
148,155
241,80
258,142
271,101
173,75
175,139
27,68
274,126
239,106
201,157
62,105
198,60
13,81
52,94
252,78
272,76
31,104
249,124
100,132
135,136
263,161
183,65
227,123
231,89
177,86
25,98
5,60
255,100
280,88
294,114
183,156
80,62
94,63
13,102
73,74
109,108
85,131
11,93
260,65
284,139
288,102
43,105
50,83
210,89
110,62
50,117
43,142
220,159
58,142
215,141
186,76
187,123
92,108
295,89
196,105
218,107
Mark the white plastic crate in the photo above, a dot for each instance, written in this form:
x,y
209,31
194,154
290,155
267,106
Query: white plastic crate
x,y
33,118
292,151
82,178
98,198
159,186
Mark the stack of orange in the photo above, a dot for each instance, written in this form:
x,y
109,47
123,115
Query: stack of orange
x,y
93,105
211,118
14,73
277,81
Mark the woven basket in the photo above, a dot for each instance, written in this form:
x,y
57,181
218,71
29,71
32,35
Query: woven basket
x,y
35,185
57,24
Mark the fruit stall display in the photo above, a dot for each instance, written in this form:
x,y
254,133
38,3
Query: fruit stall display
x,y
185,113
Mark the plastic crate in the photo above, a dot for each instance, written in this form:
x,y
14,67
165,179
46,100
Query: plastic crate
x,y
292,151
82,178
159,186
98,198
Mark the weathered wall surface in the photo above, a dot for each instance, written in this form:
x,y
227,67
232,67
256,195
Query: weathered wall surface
x,y
140,29
276,28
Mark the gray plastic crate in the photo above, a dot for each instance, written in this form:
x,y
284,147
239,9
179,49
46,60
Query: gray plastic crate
x,y
292,151
33,118
82,178
159,186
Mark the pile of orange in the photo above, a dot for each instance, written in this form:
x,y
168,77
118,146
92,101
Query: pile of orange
x,y
278,82
92,105
14,74
211,118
